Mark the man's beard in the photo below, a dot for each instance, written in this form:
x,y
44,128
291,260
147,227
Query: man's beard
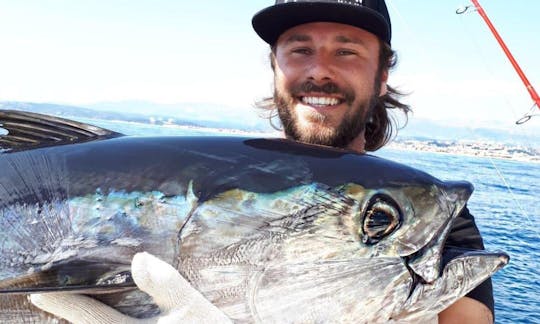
x,y
352,125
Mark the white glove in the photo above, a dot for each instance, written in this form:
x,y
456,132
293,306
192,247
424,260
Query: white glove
x,y
178,300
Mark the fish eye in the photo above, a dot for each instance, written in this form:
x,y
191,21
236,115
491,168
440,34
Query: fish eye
x,y
381,217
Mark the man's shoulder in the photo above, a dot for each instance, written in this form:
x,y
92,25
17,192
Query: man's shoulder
x,y
464,232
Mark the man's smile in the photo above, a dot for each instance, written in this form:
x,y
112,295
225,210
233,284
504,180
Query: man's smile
x,y
320,101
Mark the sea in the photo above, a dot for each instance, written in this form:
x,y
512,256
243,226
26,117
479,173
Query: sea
x,y
505,205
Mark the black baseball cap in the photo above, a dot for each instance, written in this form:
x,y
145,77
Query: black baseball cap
x,y
370,15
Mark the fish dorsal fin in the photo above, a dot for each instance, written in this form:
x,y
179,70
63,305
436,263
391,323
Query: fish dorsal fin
x,y
27,130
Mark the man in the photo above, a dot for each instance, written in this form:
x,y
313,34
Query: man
x,y
331,60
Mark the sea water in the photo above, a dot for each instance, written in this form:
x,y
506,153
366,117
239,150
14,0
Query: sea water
x,y
505,205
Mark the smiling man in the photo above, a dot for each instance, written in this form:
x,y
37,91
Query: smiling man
x,y
327,83
331,60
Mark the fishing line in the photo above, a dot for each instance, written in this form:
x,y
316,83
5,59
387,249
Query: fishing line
x,y
410,31
514,198
528,115
500,174
479,50
481,53
530,89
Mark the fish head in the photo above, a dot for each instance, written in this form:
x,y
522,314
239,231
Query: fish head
x,y
412,223
362,254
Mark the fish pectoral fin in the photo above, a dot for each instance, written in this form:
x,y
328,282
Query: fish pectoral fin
x,y
78,277
27,130
461,274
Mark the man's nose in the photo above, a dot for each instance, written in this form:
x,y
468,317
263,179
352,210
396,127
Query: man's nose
x,y
320,68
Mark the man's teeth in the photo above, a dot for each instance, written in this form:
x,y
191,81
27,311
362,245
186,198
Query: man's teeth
x,y
320,101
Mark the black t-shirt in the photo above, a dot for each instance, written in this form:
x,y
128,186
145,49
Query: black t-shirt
x,y
465,234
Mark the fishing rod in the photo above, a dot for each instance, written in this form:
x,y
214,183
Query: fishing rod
x,y
532,92
534,95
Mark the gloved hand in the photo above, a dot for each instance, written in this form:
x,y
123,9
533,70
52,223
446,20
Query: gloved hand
x,y
178,300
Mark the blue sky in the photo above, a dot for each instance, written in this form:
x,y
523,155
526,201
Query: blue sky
x,y
174,51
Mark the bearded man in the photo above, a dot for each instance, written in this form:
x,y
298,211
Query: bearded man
x,y
331,62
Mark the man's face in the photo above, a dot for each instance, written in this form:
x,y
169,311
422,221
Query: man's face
x,y
327,82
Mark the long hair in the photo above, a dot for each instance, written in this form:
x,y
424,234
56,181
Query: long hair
x,y
382,125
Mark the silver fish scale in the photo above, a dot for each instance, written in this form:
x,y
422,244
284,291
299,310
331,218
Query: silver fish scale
x,y
25,221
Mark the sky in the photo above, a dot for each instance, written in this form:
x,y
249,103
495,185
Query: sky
x,y
83,52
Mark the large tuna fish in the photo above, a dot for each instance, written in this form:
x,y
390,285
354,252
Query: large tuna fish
x,y
267,229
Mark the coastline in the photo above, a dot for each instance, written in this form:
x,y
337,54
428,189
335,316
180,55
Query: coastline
x,y
468,148
482,149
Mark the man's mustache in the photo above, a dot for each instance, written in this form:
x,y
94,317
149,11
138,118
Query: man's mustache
x,y
327,88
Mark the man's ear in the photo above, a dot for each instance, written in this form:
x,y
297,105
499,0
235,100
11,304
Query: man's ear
x,y
384,85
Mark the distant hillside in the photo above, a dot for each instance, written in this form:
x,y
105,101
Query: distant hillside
x,y
207,114
197,115
247,118
80,112
215,116
422,129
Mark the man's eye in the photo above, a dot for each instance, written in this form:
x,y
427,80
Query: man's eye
x,y
304,51
345,52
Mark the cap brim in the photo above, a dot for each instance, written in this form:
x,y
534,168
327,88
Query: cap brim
x,y
273,21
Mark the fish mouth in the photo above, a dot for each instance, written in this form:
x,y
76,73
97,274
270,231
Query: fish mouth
x,y
462,271
437,263
416,279
479,262
427,261
441,274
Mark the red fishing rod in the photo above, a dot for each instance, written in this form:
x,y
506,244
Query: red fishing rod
x,y
534,95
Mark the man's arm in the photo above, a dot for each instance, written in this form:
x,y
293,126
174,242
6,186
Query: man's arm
x,y
466,310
